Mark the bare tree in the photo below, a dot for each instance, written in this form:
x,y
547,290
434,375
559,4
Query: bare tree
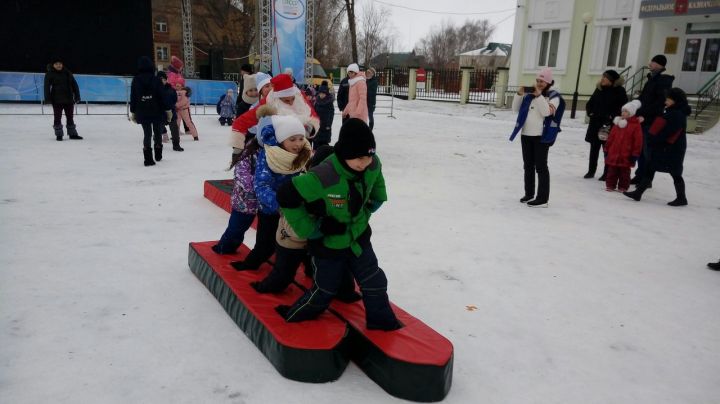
x,y
328,25
350,8
374,25
474,35
440,45
443,44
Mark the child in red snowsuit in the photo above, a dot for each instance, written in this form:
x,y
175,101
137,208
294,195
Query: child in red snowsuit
x,y
623,147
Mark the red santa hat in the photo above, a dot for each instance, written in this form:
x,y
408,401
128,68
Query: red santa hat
x,y
283,86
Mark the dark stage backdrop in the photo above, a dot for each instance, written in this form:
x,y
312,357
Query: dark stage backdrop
x,y
90,36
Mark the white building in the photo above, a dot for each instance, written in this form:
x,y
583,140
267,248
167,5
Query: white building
x,y
619,34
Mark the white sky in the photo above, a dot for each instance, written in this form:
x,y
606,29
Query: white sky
x,y
411,26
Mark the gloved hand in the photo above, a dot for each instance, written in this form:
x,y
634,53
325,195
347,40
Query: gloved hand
x,y
131,117
316,208
309,131
633,159
330,226
168,115
605,154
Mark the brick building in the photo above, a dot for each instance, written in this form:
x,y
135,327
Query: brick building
x,y
220,25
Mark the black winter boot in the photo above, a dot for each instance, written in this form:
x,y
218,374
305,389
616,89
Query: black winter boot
x,y
680,200
58,132
147,153
72,132
636,194
715,266
158,153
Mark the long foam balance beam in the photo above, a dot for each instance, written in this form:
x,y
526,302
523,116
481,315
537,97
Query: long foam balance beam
x,y
314,351
413,363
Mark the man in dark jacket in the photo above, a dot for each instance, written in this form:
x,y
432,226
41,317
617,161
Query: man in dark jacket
x,y
147,108
602,107
62,91
372,85
652,98
667,143
343,94
170,98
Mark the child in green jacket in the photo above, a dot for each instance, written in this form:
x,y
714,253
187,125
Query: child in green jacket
x,y
331,207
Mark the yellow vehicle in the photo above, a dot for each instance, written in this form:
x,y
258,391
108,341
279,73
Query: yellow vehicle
x,y
319,75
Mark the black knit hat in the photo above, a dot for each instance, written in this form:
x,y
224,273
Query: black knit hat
x,y
247,68
677,95
356,140
611,75
659,59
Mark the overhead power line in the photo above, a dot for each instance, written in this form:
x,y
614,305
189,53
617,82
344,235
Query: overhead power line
x,y
442,12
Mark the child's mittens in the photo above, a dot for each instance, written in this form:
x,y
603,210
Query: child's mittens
x,y
330,226
633,159
265,110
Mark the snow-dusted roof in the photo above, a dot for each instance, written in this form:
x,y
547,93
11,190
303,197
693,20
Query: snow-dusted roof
x,y
493,49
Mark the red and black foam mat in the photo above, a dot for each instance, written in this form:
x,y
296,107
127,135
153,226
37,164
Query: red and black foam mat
x,y
218,192
313,351
413,363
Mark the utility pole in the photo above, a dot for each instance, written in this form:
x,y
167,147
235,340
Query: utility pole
x,y
188,46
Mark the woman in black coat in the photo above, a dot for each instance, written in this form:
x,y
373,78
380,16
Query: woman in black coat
x,y
147,108
604,104
667,142
62,91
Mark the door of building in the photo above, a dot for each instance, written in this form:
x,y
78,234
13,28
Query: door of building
x,y
699,63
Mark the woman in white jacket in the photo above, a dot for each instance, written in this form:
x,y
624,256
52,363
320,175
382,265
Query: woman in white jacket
x,y
533,108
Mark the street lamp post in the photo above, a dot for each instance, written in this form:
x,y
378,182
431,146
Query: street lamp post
x,y
587,17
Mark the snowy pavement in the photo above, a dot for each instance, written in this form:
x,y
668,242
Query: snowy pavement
x,y
597,299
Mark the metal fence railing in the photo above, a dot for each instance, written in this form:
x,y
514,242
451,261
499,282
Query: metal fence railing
x,y
441,84
482,86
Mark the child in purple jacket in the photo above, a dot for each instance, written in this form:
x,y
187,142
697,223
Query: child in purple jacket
x,y
243,199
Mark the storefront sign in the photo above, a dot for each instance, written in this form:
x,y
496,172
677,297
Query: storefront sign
x,y
670,8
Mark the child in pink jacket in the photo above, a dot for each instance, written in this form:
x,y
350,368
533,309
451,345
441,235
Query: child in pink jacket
x,y
183,109
357,98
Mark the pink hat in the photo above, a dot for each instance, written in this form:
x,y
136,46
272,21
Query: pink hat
x,y
545,75
283,86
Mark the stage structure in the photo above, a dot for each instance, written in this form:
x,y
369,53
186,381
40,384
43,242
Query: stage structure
x,y
188,46
278,21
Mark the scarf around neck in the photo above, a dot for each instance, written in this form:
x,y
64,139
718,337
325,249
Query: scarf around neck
x,y
280,160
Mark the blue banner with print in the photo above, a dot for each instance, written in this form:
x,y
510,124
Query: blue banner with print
x,y
18,86
288,51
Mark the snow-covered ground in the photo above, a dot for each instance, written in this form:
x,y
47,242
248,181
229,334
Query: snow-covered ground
x,y
597,299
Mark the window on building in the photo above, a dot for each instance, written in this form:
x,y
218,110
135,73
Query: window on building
x,y
162,53
712,52
549,48
618,46
161,25
692,53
